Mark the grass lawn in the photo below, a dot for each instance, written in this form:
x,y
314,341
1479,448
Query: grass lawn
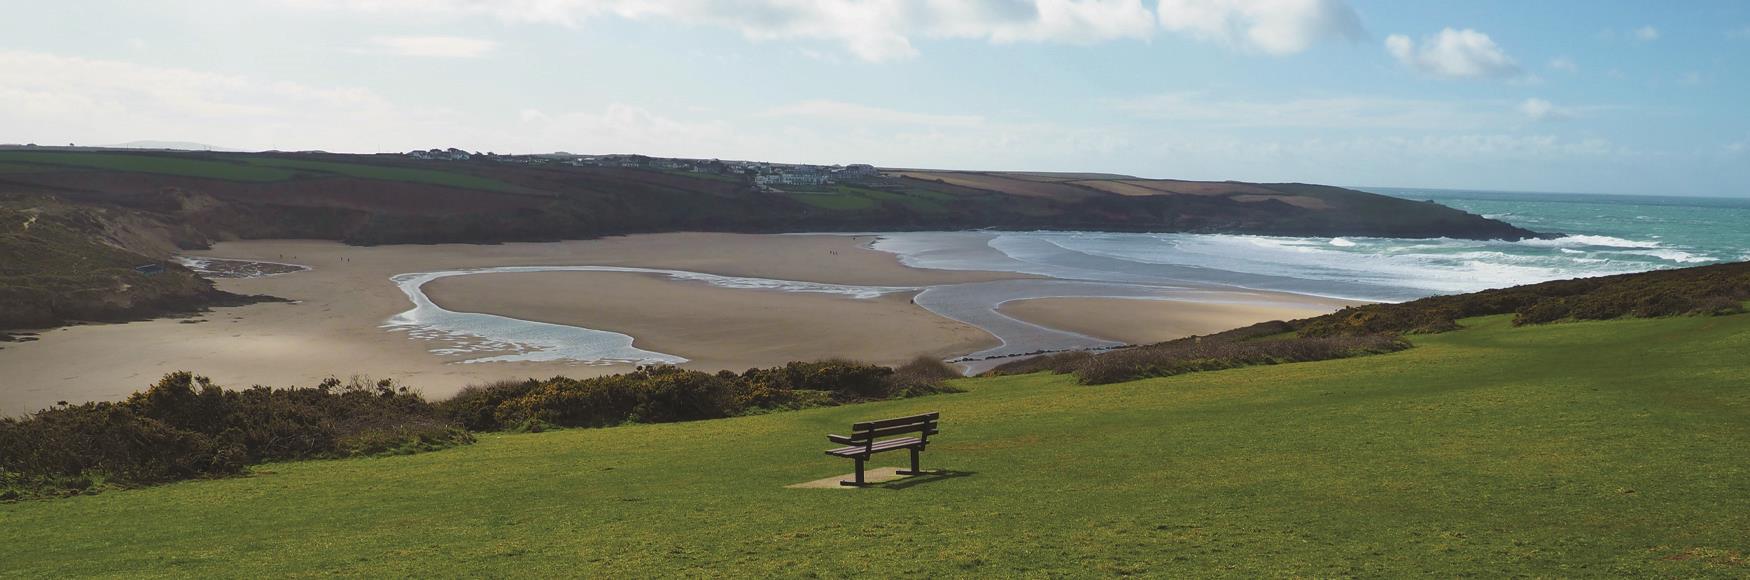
x,y
1585,449
390,173
22,168
833,200
918,203
161,164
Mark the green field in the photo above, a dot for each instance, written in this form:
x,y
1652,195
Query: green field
x,y
390,173
833,200
161,164
242,168
1583,449
22,168
850,198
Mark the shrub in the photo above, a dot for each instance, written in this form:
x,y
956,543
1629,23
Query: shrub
x,y
1179,357
1251,345
1541,313
475,406
1703,290
661,394
922,376
185,427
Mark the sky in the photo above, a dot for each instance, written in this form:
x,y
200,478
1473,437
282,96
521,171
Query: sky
x,y
1583,96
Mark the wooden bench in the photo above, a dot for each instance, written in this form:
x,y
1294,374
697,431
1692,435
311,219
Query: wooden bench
x,y
866,439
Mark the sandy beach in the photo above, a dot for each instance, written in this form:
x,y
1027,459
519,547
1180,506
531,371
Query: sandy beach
x,y
333,325
1137,321
715,327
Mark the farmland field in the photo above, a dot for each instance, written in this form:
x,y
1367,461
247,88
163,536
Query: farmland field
x,y
180,165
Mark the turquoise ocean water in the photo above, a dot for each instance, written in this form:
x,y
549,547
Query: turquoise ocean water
x,y
1596,235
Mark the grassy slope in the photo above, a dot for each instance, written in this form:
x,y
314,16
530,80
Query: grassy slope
x,y
1573,449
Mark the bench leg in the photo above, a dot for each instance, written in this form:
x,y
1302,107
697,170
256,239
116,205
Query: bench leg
x,y
914,464
859,482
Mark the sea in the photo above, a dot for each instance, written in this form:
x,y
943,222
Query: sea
x,y
1591,235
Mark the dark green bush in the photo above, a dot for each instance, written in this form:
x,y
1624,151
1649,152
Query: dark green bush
x,y
1541,312
1264,343
475,407
185,427
661,394
1181,357
1718,289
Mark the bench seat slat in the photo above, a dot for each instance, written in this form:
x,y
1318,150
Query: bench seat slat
x,y
879,446
867,425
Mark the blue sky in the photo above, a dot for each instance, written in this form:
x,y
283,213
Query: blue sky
x,y
1612,97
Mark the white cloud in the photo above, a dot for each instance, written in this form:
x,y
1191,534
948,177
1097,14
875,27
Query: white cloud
x,y
55,98
884,30
1563,64
873,30
1455,54
1341,112
1646,34
1272,26
434,46
1739,33
1542,110
860,114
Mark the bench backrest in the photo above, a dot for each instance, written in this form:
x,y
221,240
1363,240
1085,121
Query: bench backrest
x,y
871,430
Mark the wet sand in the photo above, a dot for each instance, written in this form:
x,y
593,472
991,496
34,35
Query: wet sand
x,y
716,327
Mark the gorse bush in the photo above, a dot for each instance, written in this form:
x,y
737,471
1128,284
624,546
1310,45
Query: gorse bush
x,y
1253,345
1376,328
186,427
1706,290
1175,358
662,394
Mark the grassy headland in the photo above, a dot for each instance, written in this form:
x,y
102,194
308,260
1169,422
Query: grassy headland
x,y
395,199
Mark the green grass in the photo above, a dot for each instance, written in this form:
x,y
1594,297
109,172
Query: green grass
x,y
914,202
251,168
833,200
389,173
160,164
22,168
1583,449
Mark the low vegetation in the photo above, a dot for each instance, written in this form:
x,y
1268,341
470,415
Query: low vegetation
x,y
185,427
1195,354
1377,328
663,394
1704,290
200,166
63,262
